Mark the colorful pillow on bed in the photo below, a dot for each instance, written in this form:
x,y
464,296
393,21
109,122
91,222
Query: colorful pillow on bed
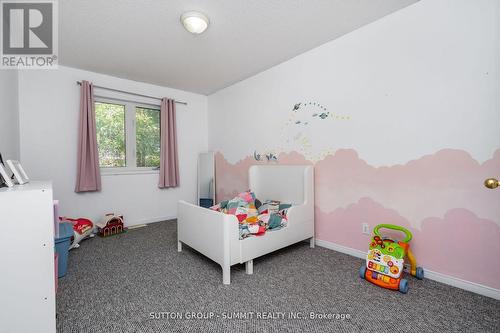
x,y
243,206
257,203
246,215
263,209
273,206
220,206
274,221
244,199
247,196
269,206
250,211
216,207
284,206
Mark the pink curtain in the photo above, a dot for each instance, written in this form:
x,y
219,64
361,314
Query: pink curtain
x,y
88,177
169,162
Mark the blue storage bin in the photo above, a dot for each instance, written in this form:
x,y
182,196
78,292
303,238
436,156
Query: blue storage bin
x,y
62,244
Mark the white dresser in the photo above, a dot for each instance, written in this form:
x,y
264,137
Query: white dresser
x,y
27,291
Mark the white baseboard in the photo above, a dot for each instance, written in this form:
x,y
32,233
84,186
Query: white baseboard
x,y
136,226
431,275
147,221
340,248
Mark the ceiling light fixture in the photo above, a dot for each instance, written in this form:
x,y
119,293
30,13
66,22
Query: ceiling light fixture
x,y
194,22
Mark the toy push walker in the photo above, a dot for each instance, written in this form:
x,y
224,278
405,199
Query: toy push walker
x,y
385,260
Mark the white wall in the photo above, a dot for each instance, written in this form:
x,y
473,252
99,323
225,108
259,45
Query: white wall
x,y
9,115
49,103
424,78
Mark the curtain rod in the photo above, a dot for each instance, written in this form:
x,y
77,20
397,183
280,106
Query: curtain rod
x,y
130,93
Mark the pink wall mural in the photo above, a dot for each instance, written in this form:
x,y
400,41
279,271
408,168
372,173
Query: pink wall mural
x,y
455,220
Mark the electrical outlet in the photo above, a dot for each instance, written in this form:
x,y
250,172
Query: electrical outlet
x,y
365,228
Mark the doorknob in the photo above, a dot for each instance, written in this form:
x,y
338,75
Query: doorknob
x,y
491,183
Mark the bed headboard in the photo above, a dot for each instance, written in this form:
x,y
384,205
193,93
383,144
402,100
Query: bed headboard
x,y
286,183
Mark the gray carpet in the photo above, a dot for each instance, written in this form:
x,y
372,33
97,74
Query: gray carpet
x,y
113,285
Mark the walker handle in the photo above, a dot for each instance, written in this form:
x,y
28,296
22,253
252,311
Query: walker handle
x,y
393,227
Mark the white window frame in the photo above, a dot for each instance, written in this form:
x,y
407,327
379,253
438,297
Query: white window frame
x,y
130,167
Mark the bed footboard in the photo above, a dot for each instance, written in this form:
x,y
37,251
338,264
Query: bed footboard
x,y
211,233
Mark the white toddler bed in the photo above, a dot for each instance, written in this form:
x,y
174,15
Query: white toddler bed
x,y
216,235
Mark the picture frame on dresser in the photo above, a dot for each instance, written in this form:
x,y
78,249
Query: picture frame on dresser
x,y
4,177
18,170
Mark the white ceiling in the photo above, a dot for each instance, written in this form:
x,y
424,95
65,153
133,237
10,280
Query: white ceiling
x,y
143,40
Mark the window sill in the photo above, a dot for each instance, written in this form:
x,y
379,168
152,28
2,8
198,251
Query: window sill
x,y
117,172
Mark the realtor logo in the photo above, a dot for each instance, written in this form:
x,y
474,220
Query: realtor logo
x,y
29,34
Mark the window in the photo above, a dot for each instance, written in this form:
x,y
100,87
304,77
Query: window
x,y
128,136
147,137
110,125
